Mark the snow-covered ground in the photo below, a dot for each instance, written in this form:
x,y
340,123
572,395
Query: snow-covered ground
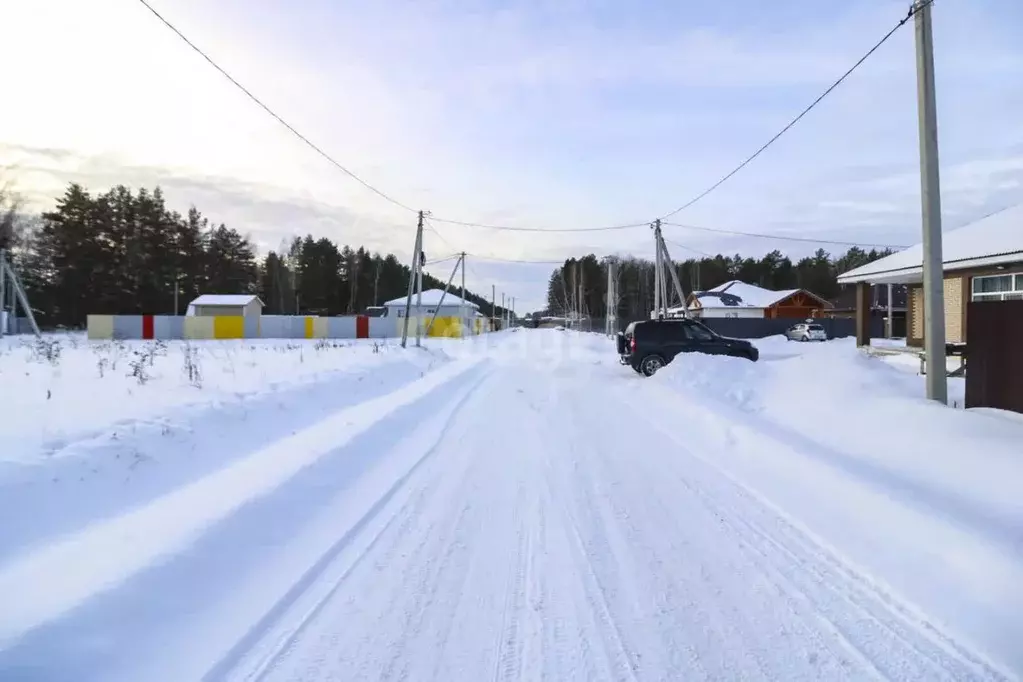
x,y
519,506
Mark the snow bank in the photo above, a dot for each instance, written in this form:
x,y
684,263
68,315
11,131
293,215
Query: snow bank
x,y
923,499
64,388
858,405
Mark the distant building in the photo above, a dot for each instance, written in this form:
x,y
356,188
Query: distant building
x,y
738,299
228,305
453,306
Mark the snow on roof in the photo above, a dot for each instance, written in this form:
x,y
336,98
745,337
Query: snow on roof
x,y
749,295
225,299
994,239
432,297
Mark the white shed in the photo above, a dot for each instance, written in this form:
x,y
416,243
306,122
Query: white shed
x,y
209,305
453,305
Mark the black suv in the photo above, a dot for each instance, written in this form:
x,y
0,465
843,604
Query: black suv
x,y
651,344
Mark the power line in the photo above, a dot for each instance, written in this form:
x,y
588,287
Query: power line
x,y
270,111
783,238
912,10
442,260
512,228
517,260
433,229
687,248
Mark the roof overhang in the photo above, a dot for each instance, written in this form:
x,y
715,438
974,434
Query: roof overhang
x,y
913,275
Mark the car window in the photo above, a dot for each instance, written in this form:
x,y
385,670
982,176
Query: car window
x,y
698,332
815,328
675,331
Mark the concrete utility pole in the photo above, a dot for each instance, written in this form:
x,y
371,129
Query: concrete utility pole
x,y
444,295
667,262
9,278
493,307
461,307
412,283
419,294
930,195
657,276
3,293
891,323
610,302
504,311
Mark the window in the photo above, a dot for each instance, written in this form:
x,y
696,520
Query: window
x,y
699,333
815,327
998,287
401,313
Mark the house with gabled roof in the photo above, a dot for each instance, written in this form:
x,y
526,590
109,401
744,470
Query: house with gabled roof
x,y
982,261
739,299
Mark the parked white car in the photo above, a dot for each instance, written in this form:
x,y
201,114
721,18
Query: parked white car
x,y
806,332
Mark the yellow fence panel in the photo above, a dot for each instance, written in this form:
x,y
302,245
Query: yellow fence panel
x,y
320,328
199,328
228,327
447,327
99,326
309,327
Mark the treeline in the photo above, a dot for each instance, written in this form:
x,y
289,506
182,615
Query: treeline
x,y
125,252
635,277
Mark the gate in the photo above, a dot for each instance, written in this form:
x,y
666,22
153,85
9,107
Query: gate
x,y
994,344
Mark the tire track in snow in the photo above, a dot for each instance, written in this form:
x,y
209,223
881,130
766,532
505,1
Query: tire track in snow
x,y
418,595
817,571
300,605
107,553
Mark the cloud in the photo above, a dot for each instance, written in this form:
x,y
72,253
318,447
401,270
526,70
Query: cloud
x,y
567,114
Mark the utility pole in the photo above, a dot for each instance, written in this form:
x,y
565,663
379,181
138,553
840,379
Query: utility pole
x,y
447,287
3,293
412,283
177,275
891,323
461,307
657,270
930,195
667,261
9,277
419,293
609,302
504,312
376,282
493,307
580,301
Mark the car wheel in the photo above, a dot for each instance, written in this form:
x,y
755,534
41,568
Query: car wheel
x,y
651,364
805,338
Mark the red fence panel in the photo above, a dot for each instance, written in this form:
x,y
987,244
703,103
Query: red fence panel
x,y
147,326
362,327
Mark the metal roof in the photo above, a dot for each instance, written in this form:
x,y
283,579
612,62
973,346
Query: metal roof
x,y
992,240
225,299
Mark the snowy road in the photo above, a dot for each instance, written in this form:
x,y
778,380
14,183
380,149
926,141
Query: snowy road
x,y
522,519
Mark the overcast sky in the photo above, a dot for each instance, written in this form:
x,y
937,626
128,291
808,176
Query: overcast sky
x,y
559,113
